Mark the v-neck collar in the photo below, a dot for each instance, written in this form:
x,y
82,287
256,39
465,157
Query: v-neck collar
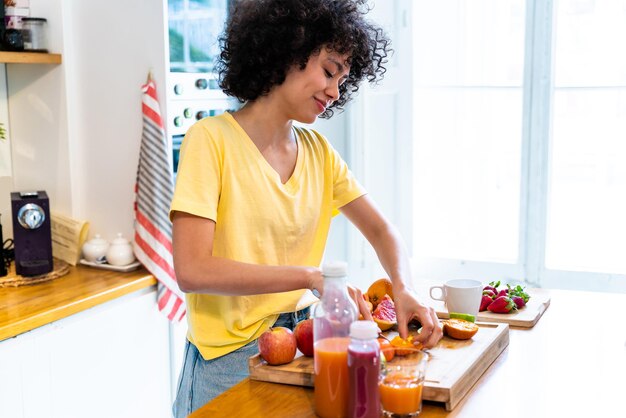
x,y
292,182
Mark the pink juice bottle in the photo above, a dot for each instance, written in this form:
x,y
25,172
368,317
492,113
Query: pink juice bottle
x,y
363,370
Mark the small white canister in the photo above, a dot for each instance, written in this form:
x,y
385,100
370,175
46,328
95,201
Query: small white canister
x,y
95,249
34,34
120,252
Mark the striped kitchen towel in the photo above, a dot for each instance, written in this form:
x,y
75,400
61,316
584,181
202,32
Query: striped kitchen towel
x,y
153,193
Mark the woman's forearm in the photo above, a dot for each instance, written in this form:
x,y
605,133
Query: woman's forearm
x,y
393,256
226,277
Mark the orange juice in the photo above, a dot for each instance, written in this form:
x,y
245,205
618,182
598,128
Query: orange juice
x,y
331,377
401,394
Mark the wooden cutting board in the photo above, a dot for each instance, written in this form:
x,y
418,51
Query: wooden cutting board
x,y
452,370
526,317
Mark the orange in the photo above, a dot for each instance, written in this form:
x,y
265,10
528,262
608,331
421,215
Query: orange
x,y
385,314
400,342
386,348
384,325
459,329
377,291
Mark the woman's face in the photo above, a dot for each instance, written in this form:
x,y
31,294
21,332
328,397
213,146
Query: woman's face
x,y
305,94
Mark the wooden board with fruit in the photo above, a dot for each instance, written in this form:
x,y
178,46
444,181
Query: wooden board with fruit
x,y
456,363
454,367
522,308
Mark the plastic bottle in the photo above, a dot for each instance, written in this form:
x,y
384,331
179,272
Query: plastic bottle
x,y
363,370
332,317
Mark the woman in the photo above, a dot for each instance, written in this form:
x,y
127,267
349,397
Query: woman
x,y
255,195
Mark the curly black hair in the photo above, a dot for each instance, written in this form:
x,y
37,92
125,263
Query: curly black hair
x,y
263,39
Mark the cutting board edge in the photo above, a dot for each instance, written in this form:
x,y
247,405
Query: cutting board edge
x,y
445,390
464,384
278,375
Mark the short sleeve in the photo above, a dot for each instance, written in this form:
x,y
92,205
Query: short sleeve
x,y
198,181
346,188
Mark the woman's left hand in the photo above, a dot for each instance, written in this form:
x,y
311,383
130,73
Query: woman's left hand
x,y
408,307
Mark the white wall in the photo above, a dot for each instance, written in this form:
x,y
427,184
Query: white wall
x,y
38,120
77,127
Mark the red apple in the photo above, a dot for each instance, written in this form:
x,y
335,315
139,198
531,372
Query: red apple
x,y
304,336
277,345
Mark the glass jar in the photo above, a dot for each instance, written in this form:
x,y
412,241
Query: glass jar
x,y
332,317
34,34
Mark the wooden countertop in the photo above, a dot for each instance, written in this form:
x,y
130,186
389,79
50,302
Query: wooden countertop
x,y
571,363
25,308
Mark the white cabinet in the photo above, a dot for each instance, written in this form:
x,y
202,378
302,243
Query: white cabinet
x,y
109,361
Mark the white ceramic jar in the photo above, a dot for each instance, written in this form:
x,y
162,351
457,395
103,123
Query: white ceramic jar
x,y
120,252
95,249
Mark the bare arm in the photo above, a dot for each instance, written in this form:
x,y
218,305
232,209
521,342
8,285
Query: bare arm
x,y
394,258
199,272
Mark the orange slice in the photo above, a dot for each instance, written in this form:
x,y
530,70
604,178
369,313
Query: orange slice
x,y
385,314
386,348
400,342
459,329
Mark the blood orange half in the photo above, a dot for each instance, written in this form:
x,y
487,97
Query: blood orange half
x,y
385,313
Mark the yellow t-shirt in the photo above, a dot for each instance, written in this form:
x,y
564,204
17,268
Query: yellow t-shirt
x,y
224,177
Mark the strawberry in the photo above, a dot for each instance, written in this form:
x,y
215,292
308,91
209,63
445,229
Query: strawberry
x,y
493,286
519,301
503,292
518,291
485,302
502,304
488,297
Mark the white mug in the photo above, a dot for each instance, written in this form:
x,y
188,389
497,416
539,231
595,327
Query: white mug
x,y
460,295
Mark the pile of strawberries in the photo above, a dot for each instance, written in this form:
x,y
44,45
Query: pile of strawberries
x,y
504,300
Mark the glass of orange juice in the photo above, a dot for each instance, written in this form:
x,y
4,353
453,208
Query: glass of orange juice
x,y
401,383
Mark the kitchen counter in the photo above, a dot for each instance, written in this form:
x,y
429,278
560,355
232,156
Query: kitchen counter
x,y
25,308
571,363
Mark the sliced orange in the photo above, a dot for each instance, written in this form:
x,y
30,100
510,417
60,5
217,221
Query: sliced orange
x,y
385,314
459,329
383,324
386,348
400,342
377,291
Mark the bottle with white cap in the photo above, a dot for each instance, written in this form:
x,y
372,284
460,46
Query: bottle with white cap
x,y
332,317
363,370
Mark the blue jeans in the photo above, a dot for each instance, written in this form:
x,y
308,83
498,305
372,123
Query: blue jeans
x,y
202,380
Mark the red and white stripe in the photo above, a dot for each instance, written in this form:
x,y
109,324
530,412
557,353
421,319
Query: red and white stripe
x,y
153,193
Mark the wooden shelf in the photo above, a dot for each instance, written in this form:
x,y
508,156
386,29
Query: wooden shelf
x,y
29,58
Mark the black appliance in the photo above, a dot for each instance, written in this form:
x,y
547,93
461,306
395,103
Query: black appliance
x,y
32,236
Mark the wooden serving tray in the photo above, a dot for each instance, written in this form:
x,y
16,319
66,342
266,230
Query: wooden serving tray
x,y
526,317
453,368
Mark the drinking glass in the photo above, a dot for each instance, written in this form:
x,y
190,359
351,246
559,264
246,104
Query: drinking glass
x,y
401,383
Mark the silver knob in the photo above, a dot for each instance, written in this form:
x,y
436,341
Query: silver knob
x,y
31,216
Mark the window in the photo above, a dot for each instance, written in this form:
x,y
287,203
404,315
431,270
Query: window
x,y
194,26
519,141
587,200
